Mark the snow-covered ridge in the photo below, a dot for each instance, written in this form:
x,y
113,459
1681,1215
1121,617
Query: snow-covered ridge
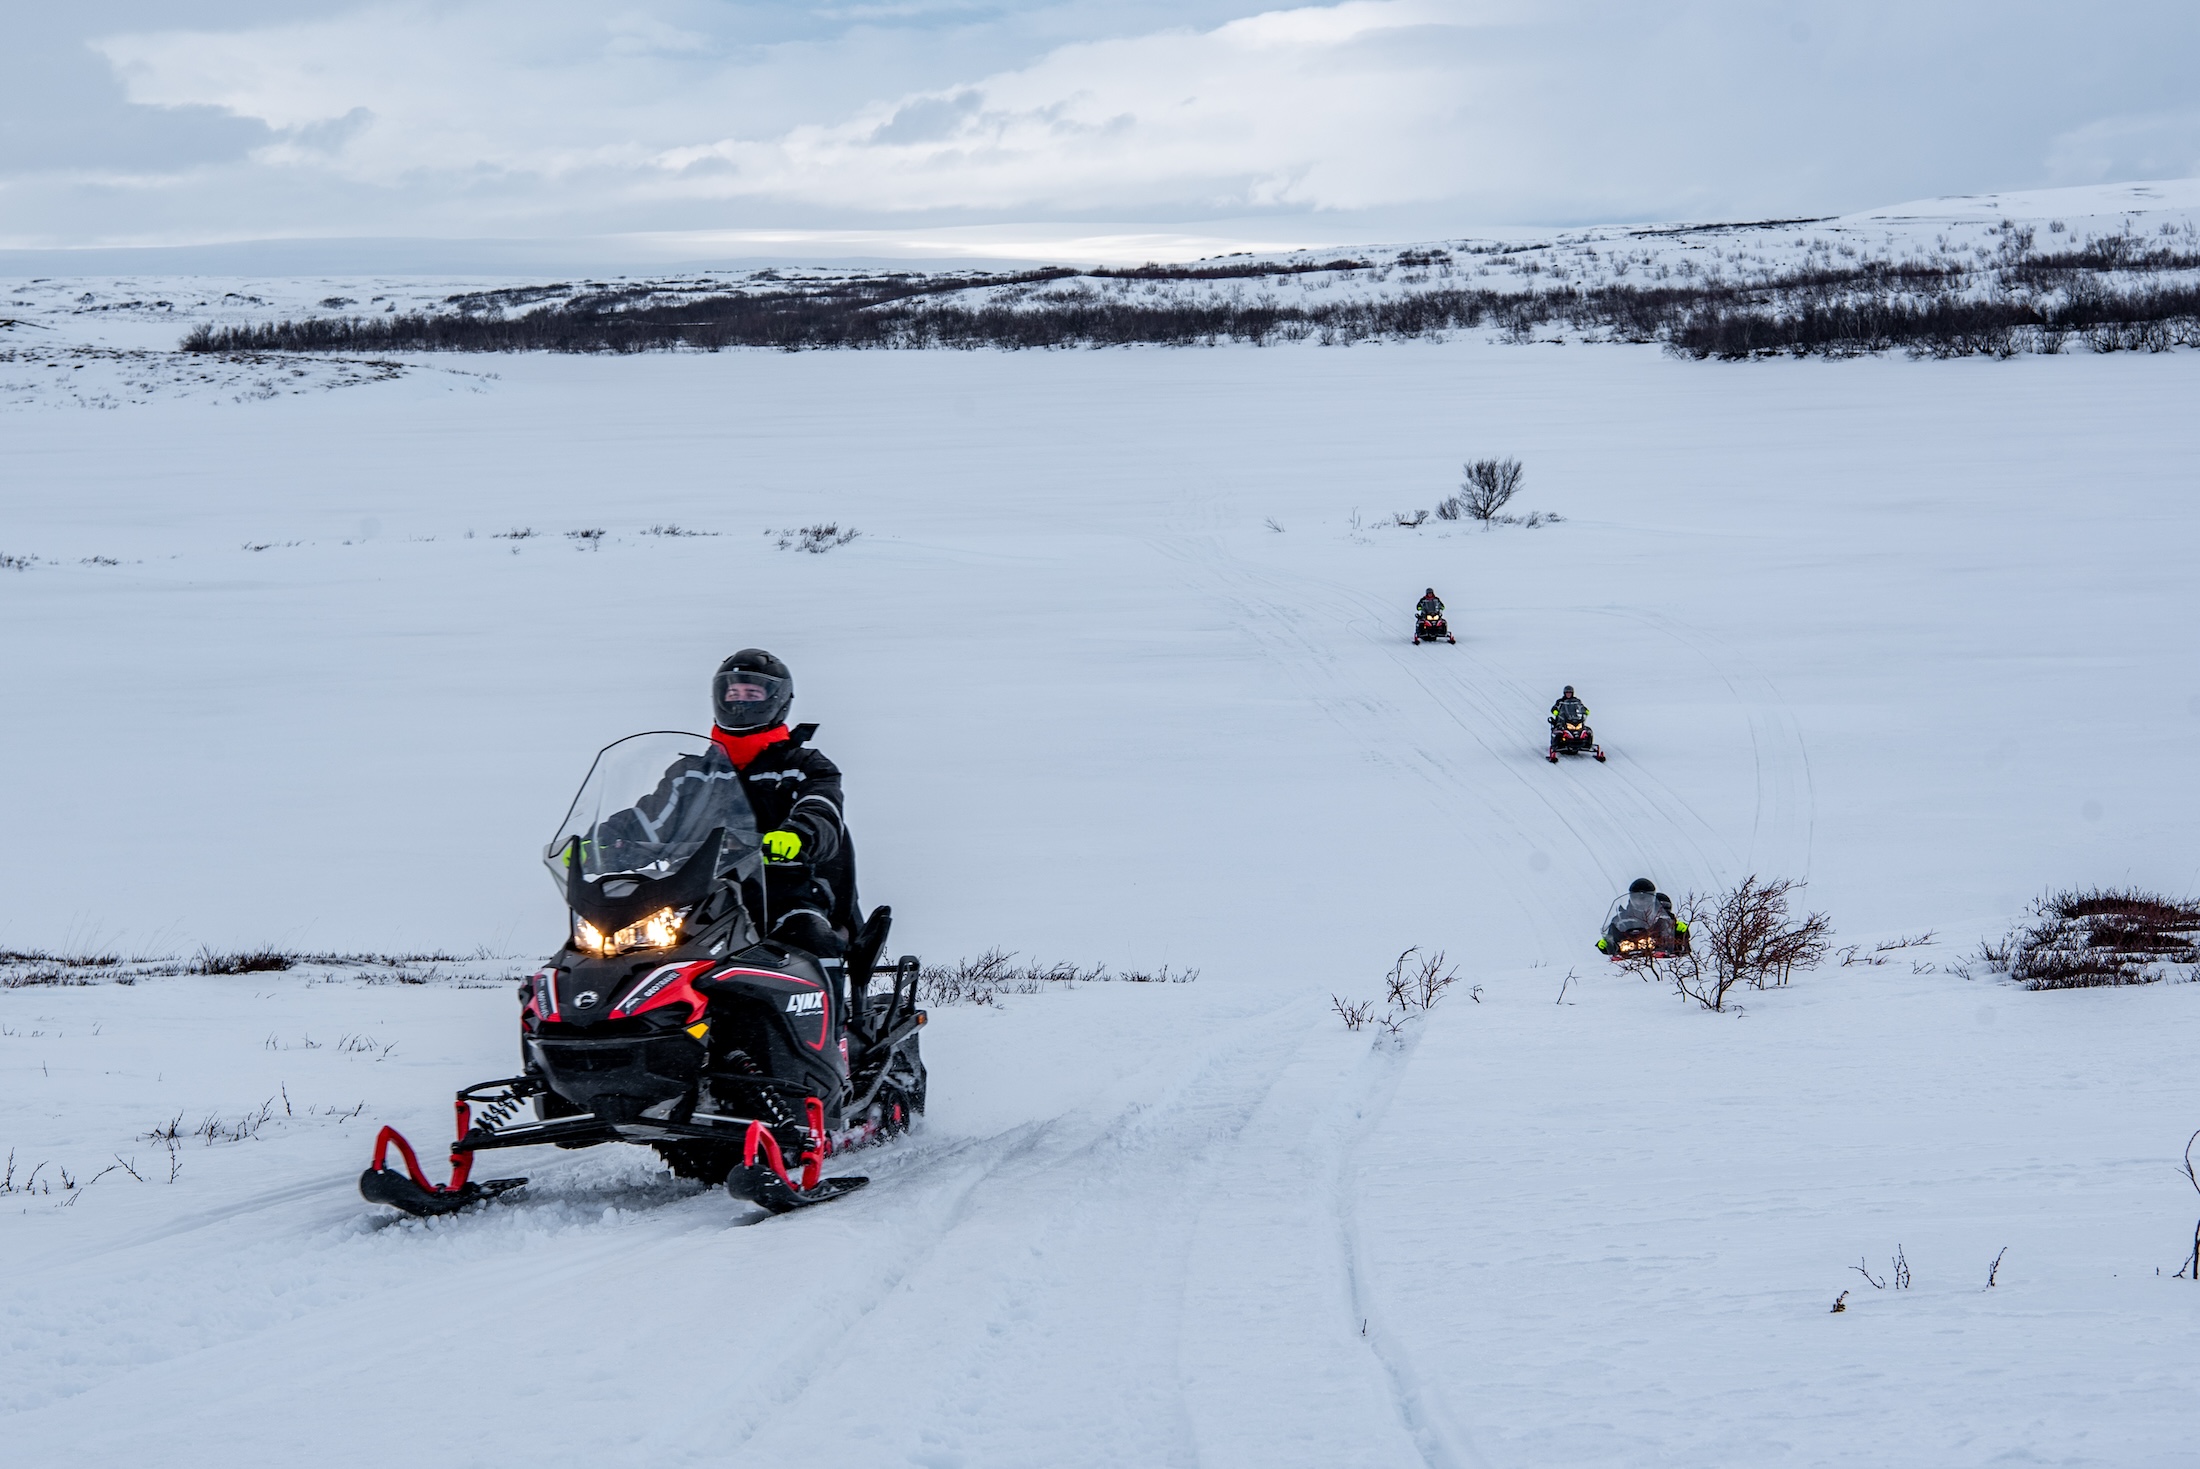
x,y
108,342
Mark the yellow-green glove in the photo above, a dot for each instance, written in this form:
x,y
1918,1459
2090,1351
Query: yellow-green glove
x,y
781,846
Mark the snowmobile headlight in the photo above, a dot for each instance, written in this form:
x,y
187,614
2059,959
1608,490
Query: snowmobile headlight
x,y
660,930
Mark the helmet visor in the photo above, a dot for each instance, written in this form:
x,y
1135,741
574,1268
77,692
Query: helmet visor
x,y
740,699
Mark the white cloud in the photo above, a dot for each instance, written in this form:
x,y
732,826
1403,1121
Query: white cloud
x,y
1407,116
1336,107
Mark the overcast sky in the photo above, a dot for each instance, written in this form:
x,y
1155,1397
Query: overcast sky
x,y
172,121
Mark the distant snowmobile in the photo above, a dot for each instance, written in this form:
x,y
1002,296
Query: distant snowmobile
x,y
1570,732
1429,627
1642,925
665,1019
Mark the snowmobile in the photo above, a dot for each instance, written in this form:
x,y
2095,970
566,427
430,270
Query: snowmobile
x,y
667,1019
1573,737
1430,626
1642,925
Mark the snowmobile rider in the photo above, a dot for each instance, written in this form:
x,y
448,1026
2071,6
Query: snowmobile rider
x,y
1429,606
1648,907
795,793
1568,709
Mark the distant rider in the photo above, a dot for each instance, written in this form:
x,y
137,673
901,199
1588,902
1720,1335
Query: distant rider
x,y
1568,709
1430,605
1646,906
795,793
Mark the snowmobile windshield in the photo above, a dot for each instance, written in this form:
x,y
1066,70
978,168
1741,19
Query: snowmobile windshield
x,y
649,803
1633,912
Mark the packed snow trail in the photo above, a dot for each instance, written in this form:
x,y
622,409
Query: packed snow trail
x,y
1138,1206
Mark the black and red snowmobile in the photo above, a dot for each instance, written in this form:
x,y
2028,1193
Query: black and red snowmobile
x,y
666,1019
1430,627
1642,924
1573,737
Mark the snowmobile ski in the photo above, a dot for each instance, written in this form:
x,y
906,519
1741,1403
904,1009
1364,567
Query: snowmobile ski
x,y
769,1192
410,1192
387,1186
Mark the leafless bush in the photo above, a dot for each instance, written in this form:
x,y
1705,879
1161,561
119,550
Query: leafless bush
x,y
1411,520
1355,1014
1417,981
1451,507
1412,987
1898,1271
1489,485
518,533
674,530
15,563
2094,937
1993,1271
592,538
1742,936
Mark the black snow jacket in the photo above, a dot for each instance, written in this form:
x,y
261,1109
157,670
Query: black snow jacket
x,y
1430,606
1566,711
792,787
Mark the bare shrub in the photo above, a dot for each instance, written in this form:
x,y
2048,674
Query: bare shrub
x,y
517,533
1898,1271
16,563
2095,937
1417,981
1412,987
591,538
1742,936
1488,487
1410,520
676,531
1450,507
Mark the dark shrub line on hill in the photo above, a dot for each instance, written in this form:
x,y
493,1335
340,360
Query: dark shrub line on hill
x,y
1942,308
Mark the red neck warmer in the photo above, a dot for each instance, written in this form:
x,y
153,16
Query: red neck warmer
x,y
742,748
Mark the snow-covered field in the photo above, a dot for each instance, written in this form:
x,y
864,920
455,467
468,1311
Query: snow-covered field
x,y
1119,672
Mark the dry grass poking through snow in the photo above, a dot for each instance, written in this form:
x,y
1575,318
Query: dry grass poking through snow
x,y
27,968
983,980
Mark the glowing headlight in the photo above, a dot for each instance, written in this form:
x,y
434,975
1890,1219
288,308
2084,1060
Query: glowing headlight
x,y
660,930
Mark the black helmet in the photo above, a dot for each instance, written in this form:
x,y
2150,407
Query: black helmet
x,y
1569,692
1430,592
1642,885
751,691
